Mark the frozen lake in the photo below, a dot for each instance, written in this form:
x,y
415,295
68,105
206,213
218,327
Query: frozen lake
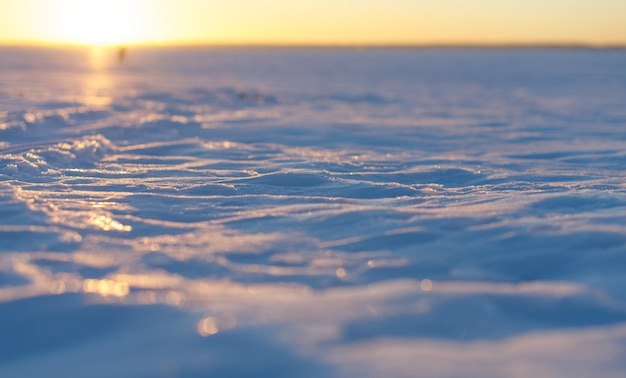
x,y
312,213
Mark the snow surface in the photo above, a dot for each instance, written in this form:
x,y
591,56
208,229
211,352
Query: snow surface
x,y
312,213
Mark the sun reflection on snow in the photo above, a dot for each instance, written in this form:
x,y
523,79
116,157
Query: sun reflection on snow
x,y
97,85
341,273
106,287
426,285
77,214
98,57
108,224
207,327
211,325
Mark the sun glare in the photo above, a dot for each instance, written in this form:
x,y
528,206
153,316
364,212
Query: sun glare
x,y
98,22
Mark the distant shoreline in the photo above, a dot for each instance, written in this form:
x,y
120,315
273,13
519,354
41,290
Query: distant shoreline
x,y
472,46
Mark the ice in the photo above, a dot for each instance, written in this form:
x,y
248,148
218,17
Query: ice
x,y
312,212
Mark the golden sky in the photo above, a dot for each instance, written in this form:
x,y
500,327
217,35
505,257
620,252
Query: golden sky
x,y
328,22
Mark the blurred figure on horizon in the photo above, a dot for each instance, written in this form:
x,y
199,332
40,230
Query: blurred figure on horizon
x,y
121,54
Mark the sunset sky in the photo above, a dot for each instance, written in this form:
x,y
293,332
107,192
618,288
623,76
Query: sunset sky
x,y
328,22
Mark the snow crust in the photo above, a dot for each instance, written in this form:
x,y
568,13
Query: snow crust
x,y
313,213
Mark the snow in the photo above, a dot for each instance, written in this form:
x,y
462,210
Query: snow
x,y
312,212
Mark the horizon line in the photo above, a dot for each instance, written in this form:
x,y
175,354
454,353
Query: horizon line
x,y
365,45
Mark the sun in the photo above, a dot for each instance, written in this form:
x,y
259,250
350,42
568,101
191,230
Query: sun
x,y
98,22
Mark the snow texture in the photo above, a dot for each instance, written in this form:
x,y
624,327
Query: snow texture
x,y
312,213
